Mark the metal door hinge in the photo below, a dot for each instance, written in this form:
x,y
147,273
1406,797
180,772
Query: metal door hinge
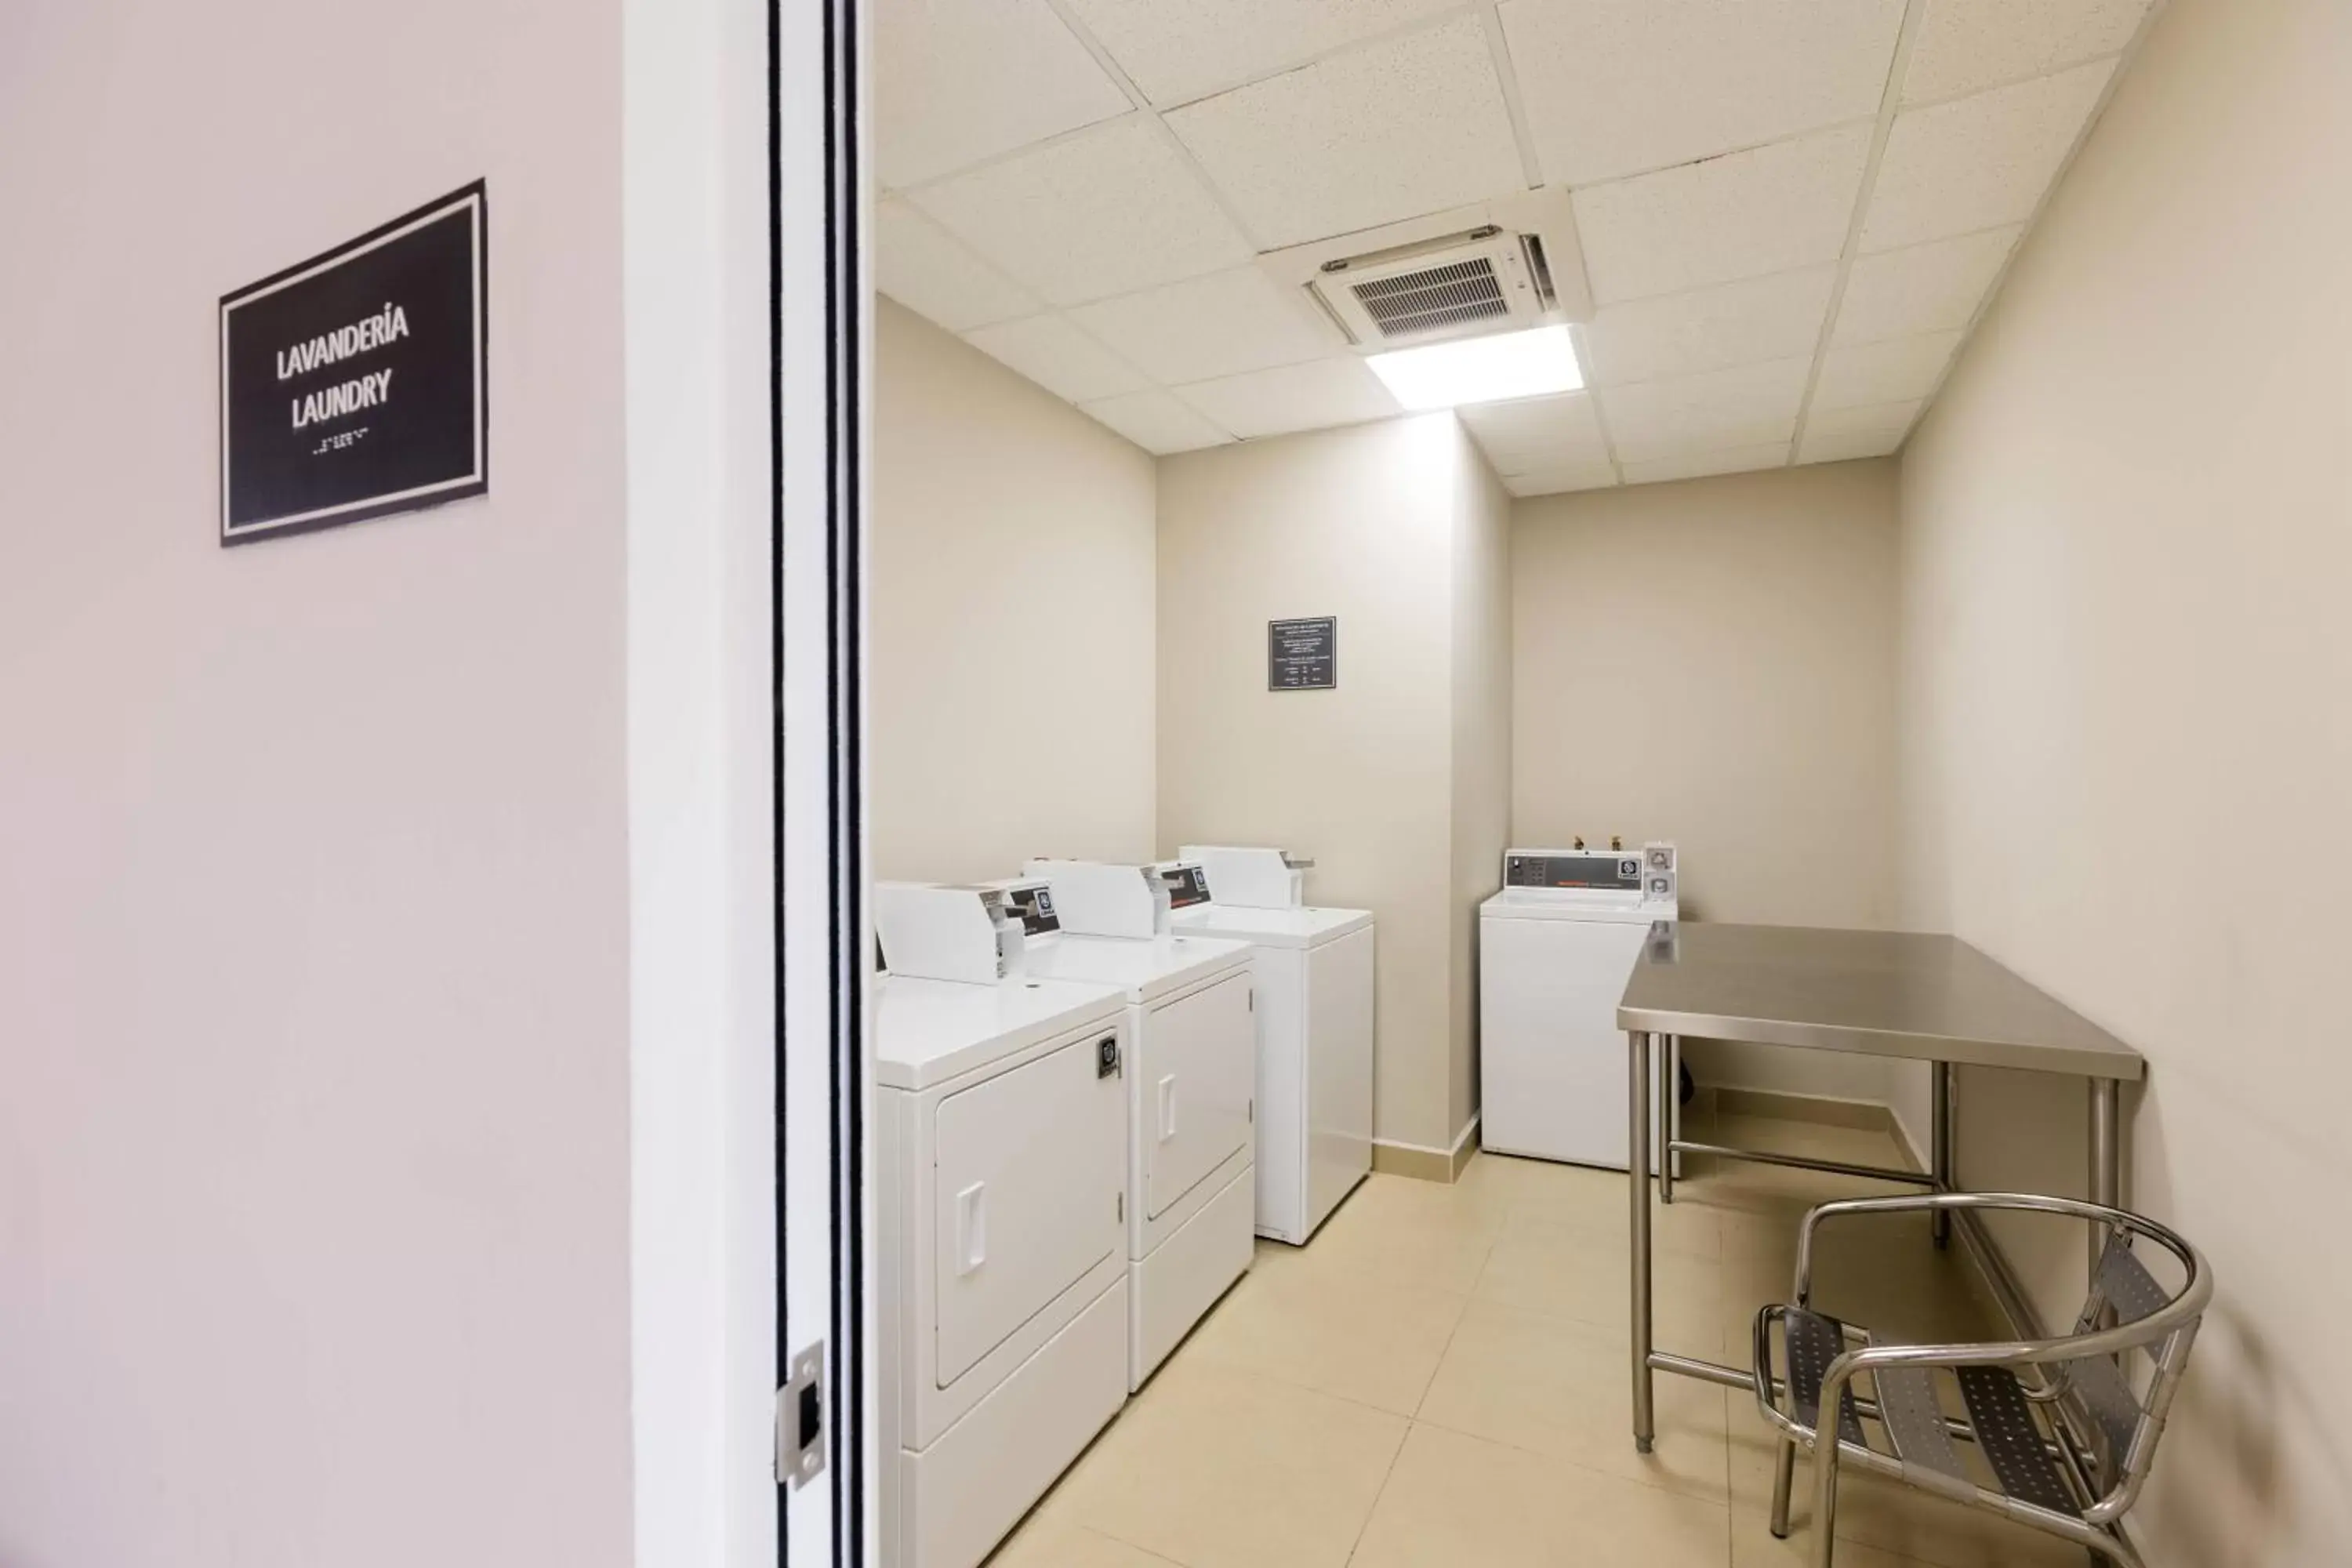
x,y
800,1420
1252,1112
1120,1197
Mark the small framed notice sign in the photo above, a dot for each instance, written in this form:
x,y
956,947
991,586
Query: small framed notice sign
x,y
356,383
1302,655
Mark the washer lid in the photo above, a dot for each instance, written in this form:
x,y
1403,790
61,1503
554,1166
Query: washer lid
x,y
1274,928
929,1031
1550,904
1144,968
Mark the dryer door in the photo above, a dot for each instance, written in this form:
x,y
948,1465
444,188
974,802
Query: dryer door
x,y
1197,1066
1026,1195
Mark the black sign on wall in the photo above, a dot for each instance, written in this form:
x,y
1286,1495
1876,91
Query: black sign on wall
x,y
1302,655
356,383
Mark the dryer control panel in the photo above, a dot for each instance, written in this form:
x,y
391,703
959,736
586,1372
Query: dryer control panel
x,y
1188,885
1033,903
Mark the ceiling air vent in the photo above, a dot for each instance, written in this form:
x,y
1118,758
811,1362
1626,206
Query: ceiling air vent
x,y
1482,281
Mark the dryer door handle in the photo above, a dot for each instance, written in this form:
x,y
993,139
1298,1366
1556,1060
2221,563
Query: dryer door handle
x,y
1168,1108
971,1228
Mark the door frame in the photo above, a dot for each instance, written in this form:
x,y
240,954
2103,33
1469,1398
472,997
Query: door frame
x,y
820,337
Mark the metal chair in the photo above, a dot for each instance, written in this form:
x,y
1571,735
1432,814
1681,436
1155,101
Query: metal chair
x,y
2069,1444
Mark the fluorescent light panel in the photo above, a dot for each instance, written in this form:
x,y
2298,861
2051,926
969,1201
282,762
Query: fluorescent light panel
x,y
1482,370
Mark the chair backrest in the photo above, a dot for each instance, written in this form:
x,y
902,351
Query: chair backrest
x,y
2125,1419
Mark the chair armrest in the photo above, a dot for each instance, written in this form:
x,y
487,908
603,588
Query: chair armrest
x,y
2034,1203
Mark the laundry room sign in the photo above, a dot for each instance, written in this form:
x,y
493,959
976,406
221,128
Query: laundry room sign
x,y
356,383
1303,656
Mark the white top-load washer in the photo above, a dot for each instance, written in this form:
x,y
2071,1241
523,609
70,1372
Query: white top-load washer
x,y
1555,949
1191,1087
1314,969
1000,1169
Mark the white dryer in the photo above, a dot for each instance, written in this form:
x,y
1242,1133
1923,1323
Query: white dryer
x,y
1314,969
1555,949
1001,1164
1192,1087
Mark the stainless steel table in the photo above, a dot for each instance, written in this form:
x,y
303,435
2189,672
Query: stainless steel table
x,y
1888,993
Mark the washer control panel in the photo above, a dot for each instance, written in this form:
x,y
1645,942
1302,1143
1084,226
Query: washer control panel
x,y
1649,875
1589,871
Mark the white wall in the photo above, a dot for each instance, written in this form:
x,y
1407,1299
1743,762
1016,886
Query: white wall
x,y
1012,620
1361,524
701,738
314,903
2128,538
1481,815
1714,662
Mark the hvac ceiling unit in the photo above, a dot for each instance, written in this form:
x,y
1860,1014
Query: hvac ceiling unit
x,y
1499,267
1482,282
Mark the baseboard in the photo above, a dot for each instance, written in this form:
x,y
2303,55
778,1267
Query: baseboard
x,y
1423,1163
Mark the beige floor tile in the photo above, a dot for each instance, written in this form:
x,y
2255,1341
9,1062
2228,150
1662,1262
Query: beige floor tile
x,y
1750,1184
1046,1543
1498,1308
1221,1469
1559,1387
1460,1499
1397,1229
1753,1546
1580,1198
1885,1514
1895,1283
1549,1268
1324,1329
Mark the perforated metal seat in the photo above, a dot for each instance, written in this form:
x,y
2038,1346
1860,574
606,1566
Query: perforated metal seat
x,y
2064,1449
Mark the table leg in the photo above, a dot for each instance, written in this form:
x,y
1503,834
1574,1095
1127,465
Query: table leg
x,y
1944,1137
1637,1179
2106,1155
1670,1091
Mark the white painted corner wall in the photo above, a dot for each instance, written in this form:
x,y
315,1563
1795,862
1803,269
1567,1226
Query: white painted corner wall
x,y
2127,537
1392,780
1012,614
702,745
1714,662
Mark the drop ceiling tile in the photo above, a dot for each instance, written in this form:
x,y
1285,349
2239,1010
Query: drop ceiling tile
x,y
1979,161
1896,370
1619,87
1560,481
1058,357
1223,324
1861,418
1769,210
1391,130
1752,405
1965,46
1159,422
1312,397
1538,433
1727,324
1930,288
924,268
1179,52
956,81
1853,444
1108,211
1700,465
